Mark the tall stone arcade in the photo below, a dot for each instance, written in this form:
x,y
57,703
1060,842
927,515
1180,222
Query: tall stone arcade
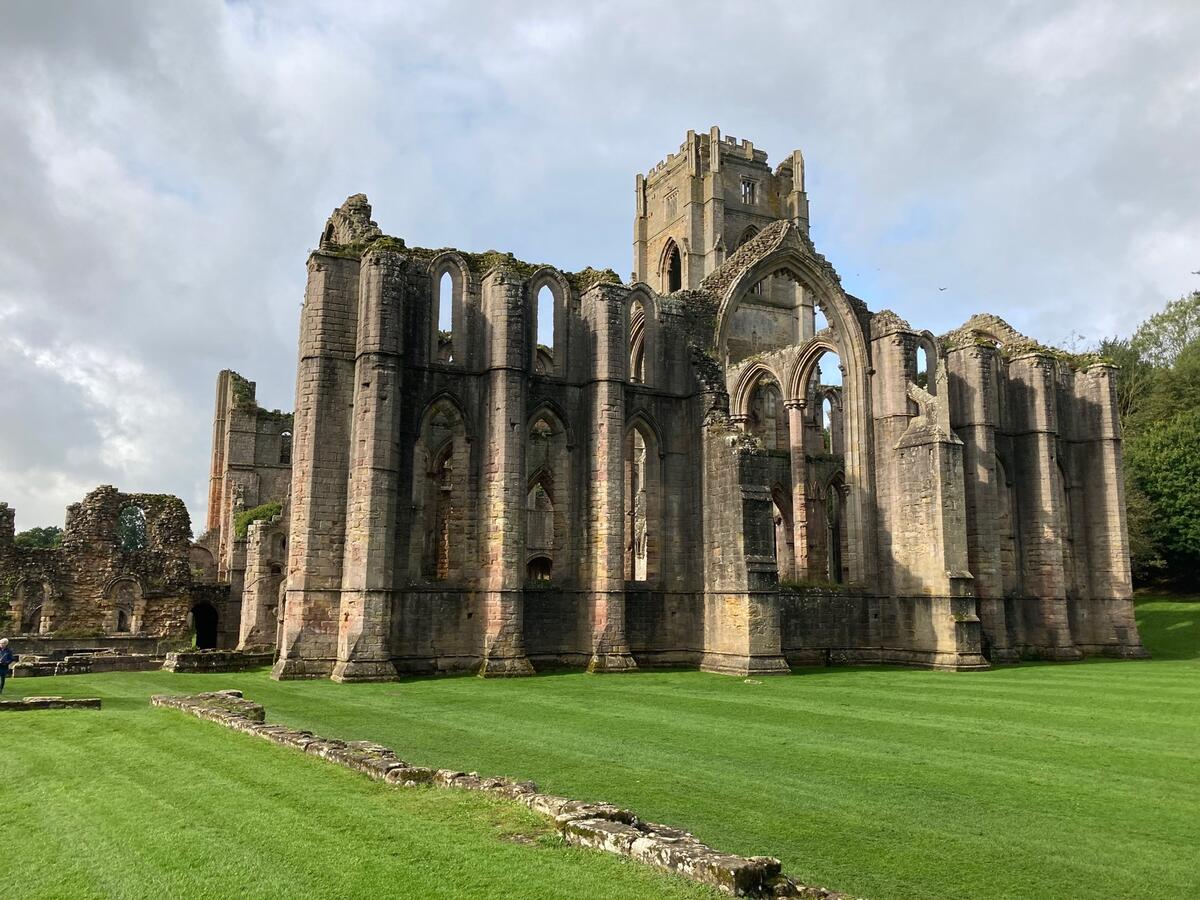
x,y
727,462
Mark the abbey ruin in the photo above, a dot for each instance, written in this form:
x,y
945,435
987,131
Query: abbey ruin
x,y
727,462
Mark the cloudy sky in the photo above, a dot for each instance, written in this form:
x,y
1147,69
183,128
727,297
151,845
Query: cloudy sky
x,y
165,167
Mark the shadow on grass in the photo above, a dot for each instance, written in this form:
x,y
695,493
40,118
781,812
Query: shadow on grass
x,y
1170,629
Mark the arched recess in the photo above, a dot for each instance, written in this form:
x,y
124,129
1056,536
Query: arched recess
x,y
643,493
925,363
641,330
205,625
670,268
766,417
548,293
123,603
847,340
449,342
548,496
440,539
31,610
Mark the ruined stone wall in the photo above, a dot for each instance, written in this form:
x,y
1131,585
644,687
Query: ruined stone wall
x,y
97,584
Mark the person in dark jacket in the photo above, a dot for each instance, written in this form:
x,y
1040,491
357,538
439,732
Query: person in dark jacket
x,y
6,660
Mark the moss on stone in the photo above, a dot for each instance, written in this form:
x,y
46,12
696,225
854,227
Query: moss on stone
x,y
243,520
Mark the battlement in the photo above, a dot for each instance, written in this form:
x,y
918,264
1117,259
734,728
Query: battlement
x,y
727,146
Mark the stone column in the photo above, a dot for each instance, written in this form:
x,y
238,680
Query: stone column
x,y
974,415
604,310
799,465
320,453
369,561
1044,624
503,522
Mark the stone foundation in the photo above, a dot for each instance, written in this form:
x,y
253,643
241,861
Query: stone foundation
x,y
599,826
33,703
215,661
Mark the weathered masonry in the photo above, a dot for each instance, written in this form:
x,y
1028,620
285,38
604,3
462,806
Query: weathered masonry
x,y
729,462
125,578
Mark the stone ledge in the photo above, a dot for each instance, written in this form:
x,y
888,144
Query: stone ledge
x,y
31,703
599,826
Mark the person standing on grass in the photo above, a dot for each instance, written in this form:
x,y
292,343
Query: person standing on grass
x,y
6,658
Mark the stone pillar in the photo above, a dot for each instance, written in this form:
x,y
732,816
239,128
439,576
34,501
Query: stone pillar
x,y
741,591
1103,624
261,591
605,313
1043,624
503,522
320,455
974,415
369,561
799,466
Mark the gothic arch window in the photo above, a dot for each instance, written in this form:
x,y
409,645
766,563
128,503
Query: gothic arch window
x,y
835,529
547,513
447,308
548,323
637,342
539,569
767,418
440,535
672,268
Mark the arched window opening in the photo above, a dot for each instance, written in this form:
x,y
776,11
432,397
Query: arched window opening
x,y
637,342
824,400
767,417
285,448
543,357
445,318
834,531
922,378
827,425
636,556
131,529
278,547
547,469
672,269
123,620
747,235
327,237
438,515
276,570
538,570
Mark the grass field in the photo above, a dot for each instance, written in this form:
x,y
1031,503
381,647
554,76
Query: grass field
x,y
1075,780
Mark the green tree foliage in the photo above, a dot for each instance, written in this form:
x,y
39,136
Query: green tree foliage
x,y
1158,395
39,538
243,520
131,528
1162,337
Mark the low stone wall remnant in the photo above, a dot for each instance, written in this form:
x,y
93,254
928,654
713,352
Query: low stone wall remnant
x,y
215,661
26,704
600,826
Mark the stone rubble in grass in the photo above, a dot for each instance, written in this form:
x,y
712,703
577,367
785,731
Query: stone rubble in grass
x,y
599,826
26,704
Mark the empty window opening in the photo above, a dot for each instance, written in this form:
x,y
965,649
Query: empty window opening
x,y
543,358
637,526
749,191
538,570
285,448
123,619
827,425
131,528
276,570
834,532
637,343
782,533
767,416
820,321
922,379
673,269
445,318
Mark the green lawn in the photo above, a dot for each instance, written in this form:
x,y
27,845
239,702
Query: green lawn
x,y
1079,780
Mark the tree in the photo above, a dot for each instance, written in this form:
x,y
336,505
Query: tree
x,y
39,538
131,528
1162,337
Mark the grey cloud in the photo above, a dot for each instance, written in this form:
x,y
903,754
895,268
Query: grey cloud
x,y
165,167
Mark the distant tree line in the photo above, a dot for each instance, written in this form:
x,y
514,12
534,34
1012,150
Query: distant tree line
x,y
1159,401
39,538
